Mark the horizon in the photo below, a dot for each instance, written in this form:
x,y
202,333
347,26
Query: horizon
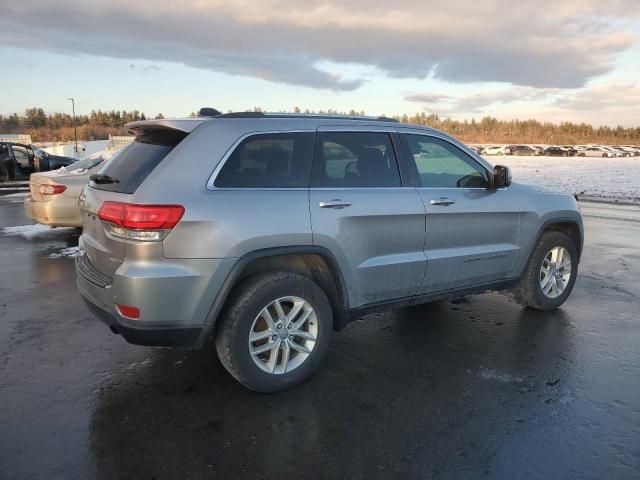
x,y
575,62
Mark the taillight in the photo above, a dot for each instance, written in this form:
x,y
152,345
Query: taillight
x,y
52,189
129,311
140,222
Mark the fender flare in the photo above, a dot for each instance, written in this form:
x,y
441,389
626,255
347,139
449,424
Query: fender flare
x,y
235,274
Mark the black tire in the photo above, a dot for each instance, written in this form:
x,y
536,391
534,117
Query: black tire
x,y
528,292
244,305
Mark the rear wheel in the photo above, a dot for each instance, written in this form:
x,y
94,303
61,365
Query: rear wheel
x,y
550,274
275,331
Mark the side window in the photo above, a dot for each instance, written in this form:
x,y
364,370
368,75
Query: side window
x,y
441,164
22,157
270,160
355,159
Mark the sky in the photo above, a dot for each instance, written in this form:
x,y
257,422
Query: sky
x,y
553,60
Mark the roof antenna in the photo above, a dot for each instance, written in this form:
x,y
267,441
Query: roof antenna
x,y
208,112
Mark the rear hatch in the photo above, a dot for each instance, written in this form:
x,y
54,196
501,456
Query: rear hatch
x,y
117,182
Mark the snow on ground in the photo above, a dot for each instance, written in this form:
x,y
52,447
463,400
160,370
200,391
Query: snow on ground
x,y
16,195
613,178
35,231
65,252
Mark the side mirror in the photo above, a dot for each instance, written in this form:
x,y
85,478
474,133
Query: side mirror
x,y
501,176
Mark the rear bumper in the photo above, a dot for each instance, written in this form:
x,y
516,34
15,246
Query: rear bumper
x,y
59,212
99,299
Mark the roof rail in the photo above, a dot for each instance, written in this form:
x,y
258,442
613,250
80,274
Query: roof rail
x,y
303,115
242,115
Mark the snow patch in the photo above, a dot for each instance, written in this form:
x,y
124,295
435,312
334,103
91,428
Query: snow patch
x,y
70,252
614,178
488,374
35,231
16,195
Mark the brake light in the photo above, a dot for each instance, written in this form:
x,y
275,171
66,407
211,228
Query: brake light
x,y
52,189
128,311
140,222
141,217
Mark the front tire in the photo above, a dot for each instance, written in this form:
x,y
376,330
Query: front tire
x,y
275,331
550,274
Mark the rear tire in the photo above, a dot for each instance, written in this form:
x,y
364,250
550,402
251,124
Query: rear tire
x,y
261,306
545,284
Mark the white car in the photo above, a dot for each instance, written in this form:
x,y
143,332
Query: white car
x,y
496,150
596,152
614,151
627,151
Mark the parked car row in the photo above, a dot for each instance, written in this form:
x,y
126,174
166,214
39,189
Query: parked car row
x,y
560,150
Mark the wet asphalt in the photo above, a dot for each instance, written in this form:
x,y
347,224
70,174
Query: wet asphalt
x,y
478,388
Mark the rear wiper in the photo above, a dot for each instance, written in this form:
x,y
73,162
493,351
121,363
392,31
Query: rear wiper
x,y
102,179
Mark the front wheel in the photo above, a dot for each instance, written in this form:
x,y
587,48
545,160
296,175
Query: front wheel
x,y
550,274
275,331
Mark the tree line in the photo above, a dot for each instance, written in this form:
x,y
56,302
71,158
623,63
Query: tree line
x,y
43,127
98,125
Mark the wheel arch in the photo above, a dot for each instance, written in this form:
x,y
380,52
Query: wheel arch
x,y
568,225
315,262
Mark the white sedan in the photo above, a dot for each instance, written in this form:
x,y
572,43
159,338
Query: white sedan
x,y
496,150
596,152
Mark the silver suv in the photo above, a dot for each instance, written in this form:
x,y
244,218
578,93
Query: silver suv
x,y
267,232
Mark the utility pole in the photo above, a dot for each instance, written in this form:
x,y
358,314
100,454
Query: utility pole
x,y
75,130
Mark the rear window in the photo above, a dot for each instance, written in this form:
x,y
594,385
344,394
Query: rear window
x,y
138,159
270,160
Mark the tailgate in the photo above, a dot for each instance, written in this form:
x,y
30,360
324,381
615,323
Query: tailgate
x,y
105,253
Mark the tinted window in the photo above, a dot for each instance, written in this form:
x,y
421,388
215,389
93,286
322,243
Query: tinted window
x,y
441,164
272,160
138,159
355,159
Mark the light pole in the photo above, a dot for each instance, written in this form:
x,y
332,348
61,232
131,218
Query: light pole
x,y
75,131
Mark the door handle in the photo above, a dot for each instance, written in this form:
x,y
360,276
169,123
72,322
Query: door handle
x,y
444,201
335,203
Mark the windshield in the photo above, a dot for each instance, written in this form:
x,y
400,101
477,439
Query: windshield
x,y
38,152
91,161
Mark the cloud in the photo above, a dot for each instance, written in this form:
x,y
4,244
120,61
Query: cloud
x,y
602,97
480,102
427,98
539,43
144,69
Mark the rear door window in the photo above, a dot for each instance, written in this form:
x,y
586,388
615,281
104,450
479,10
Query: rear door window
x,y
137,160
269,160
355,160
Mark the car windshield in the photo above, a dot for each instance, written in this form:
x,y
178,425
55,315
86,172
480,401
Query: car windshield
x,y
38,152
91,161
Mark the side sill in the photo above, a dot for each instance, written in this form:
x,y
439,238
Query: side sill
x,y
426,298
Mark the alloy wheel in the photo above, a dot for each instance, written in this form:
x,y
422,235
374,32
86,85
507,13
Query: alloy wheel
x,y
283,335
555,272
